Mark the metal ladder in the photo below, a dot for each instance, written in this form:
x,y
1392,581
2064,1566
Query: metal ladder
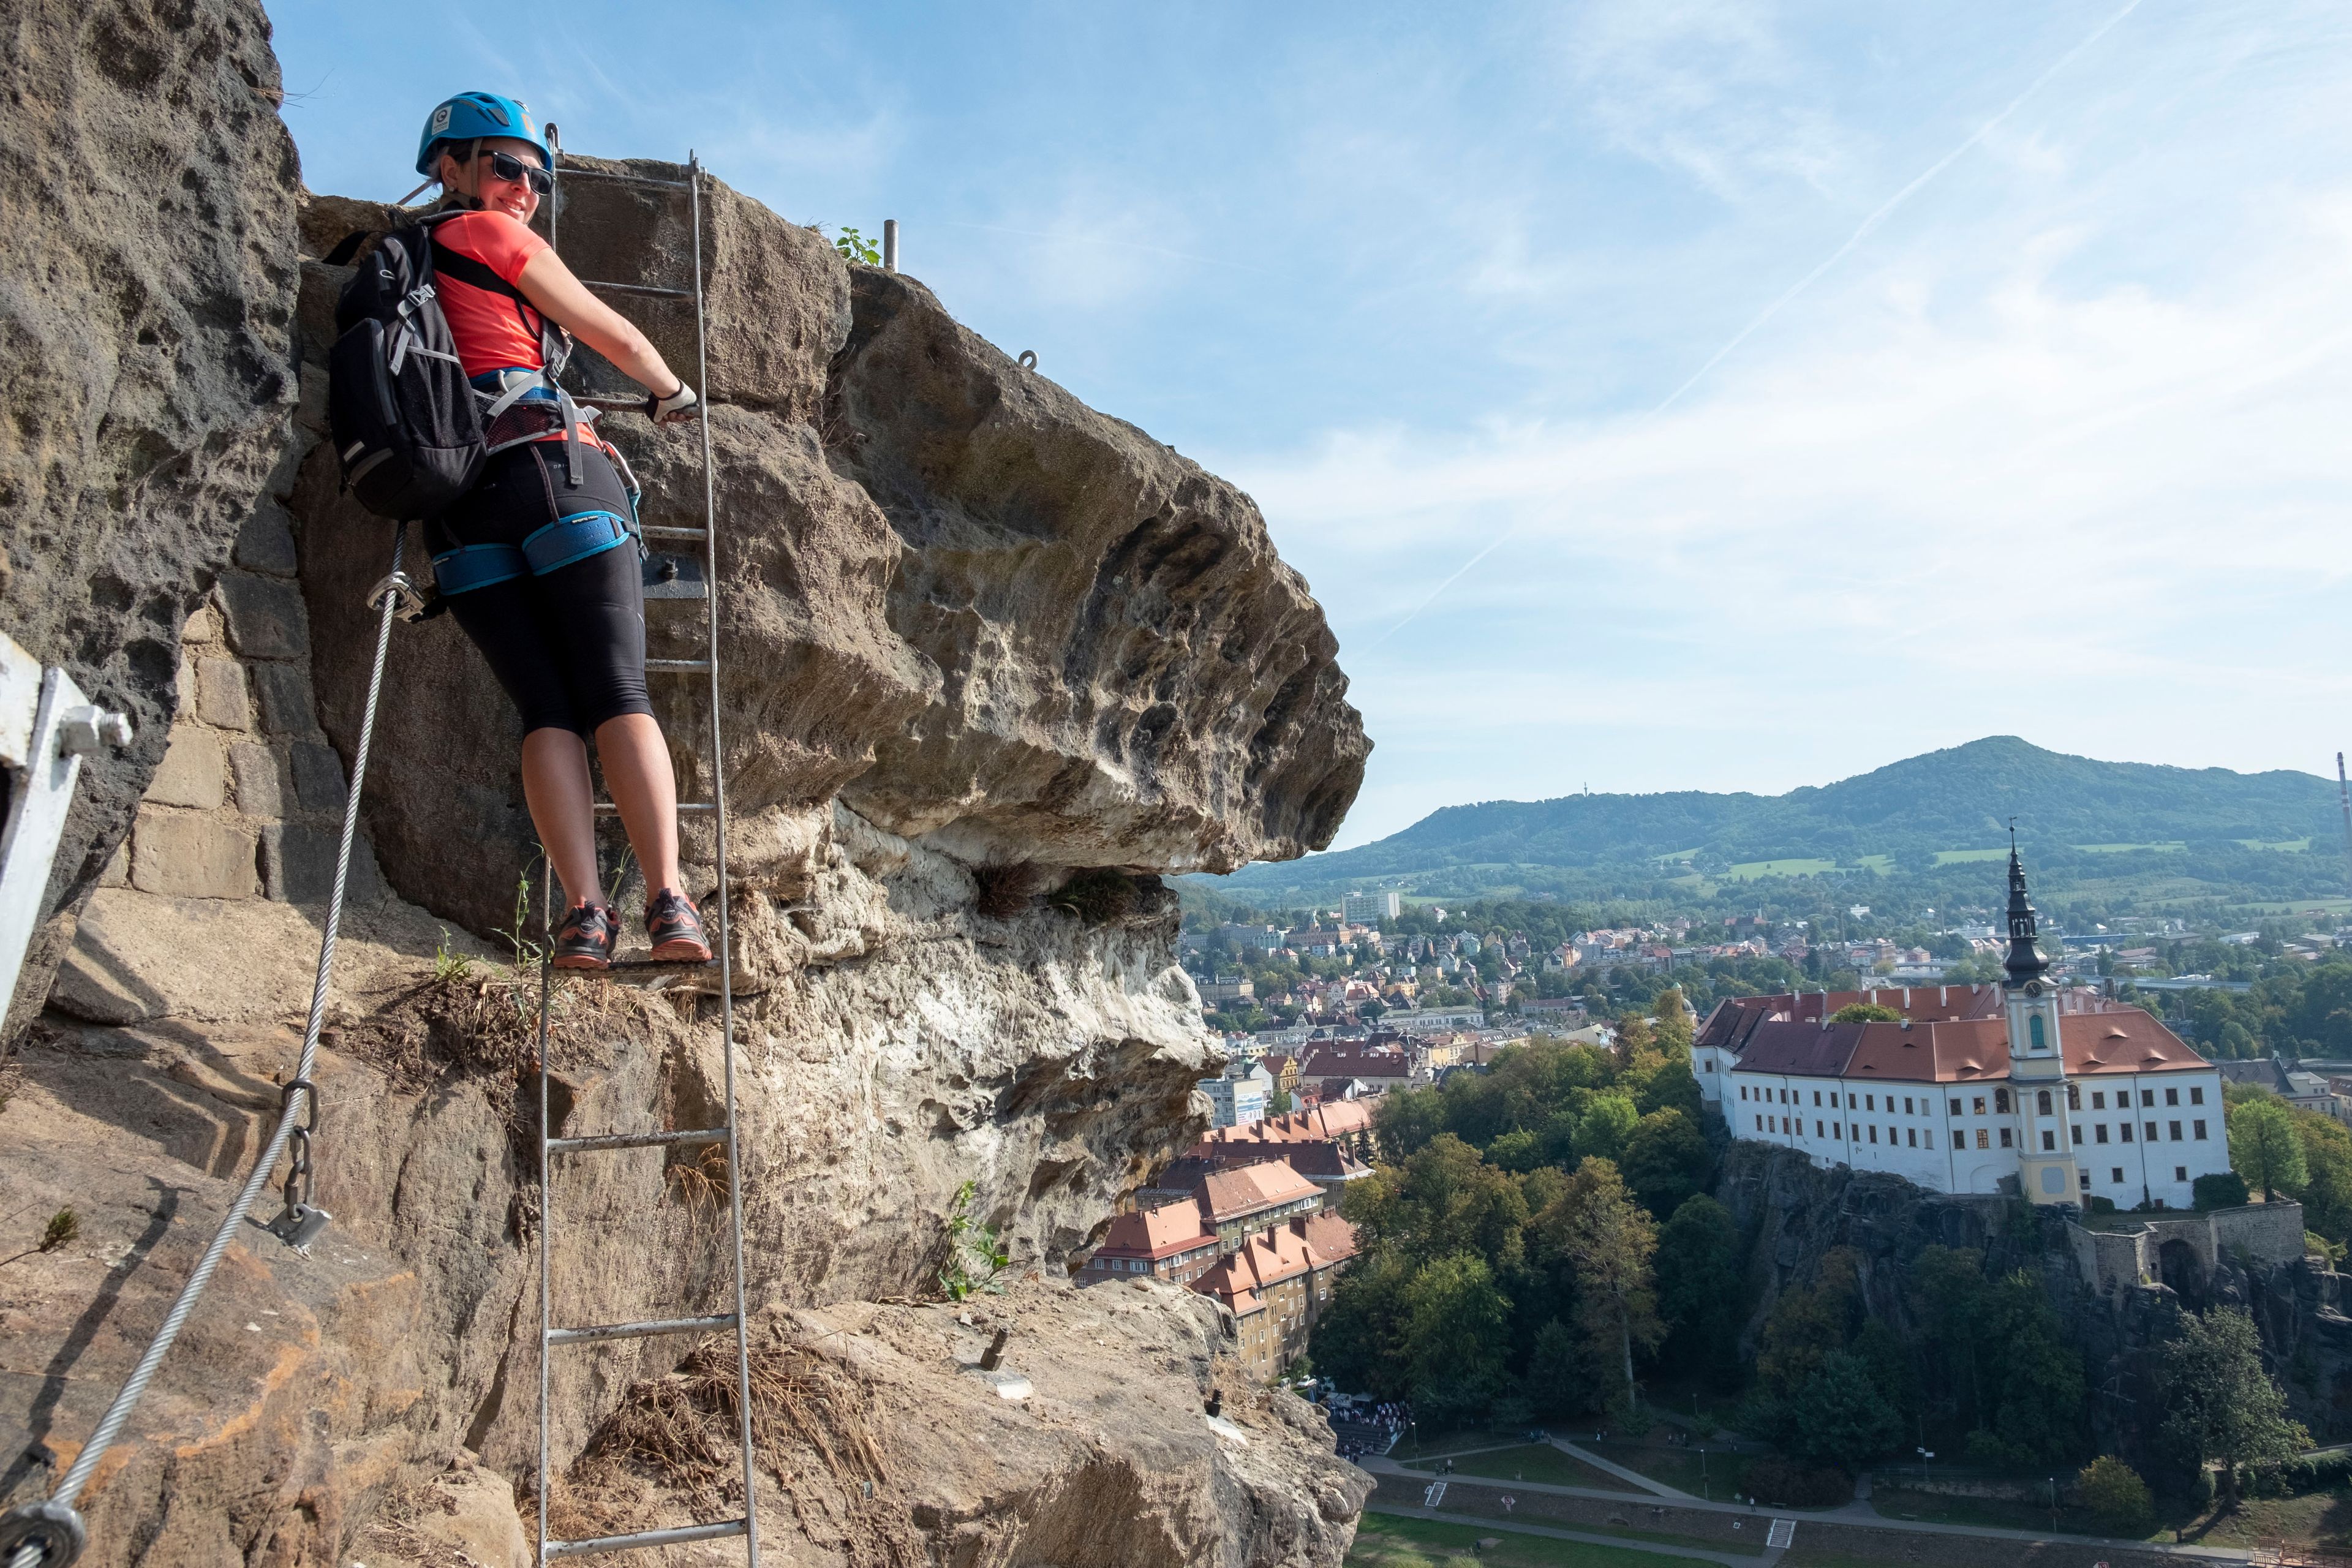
x,y
669,584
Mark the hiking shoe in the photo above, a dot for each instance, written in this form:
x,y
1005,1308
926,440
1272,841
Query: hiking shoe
x,y
587,937
675,928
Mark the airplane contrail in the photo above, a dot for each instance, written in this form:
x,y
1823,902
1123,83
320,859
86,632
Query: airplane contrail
x,y
1862,231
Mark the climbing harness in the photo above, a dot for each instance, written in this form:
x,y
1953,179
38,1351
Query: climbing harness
x,y
668,577
51,1534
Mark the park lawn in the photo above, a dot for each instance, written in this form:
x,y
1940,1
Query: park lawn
x,y
1436,1445
1531,1462
1393,1541
1891,1501
2314,1519
1718,1478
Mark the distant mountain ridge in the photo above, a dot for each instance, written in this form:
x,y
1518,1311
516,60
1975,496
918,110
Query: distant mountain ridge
x,y
1959,799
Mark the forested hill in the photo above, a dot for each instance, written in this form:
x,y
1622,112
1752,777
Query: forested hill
x,y
1908,815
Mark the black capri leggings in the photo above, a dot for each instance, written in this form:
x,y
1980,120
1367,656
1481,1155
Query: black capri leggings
x,y
567,641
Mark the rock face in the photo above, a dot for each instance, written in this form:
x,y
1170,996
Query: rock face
x,y
989,662
1798,1212
147,311
983,615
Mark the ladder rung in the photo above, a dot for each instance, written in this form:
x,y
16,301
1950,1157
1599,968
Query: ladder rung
x,y
675,1536
685,808
644,1331
564,173
676,666
635,1140
645,289
675,533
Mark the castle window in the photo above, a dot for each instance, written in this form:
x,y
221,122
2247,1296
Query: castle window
x,y
2176,1133
2006,1142
2100,1132
1931,1137
2172,1097
2000,1100
1870,1102
2199,1128
1817,1096
1956,1105
1906,1105
2148,1097
1979,1105
2116,1174
1982,1141
1833,1131
2049,1141
1912,1140
1873,1135
2195,1097
2033,1033
2124,1131
2179,1172
2098,1100
2151,1131
2073,1096
2042,1102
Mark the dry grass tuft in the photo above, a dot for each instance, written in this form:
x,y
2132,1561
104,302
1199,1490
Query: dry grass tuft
x,y
1005,891
679,1432
700,1182
393,1533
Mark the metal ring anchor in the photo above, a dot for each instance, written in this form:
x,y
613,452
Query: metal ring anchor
x,y
1028,359
47,1527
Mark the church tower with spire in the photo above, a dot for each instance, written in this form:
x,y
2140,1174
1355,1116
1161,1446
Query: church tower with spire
x,y
2037,1060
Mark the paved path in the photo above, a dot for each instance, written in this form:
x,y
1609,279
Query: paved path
x,y
1631,1477
1853,1513
1590,1537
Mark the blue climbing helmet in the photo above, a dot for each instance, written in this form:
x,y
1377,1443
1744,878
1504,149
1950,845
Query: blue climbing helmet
x,y
472,115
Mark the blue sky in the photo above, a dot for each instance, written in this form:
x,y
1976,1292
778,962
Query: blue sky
x,y
2033,417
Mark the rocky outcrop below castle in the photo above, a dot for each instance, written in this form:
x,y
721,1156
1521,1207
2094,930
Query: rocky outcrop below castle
x,y
2118,1286
991,663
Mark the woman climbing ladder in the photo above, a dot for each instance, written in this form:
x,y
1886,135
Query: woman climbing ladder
x,y
539,561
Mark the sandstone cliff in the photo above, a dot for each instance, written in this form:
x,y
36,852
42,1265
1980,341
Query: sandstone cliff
x,y
977,639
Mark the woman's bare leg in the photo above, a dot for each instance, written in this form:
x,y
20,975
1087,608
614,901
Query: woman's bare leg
x,y
563,808
638,770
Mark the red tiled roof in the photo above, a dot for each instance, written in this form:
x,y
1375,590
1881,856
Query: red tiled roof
x,y
2124,1041
1329,1061
1157,1232
1249,1189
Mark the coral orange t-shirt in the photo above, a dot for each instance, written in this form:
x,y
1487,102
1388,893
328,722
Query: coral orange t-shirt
x,y
494,331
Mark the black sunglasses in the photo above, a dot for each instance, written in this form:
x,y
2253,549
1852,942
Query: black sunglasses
x,y
507,166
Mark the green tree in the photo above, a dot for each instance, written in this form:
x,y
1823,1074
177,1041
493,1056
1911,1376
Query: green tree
x,y
2327,1191
1442,1200
1598,1228
2115,1496
1559,1371
1840,1418
1948,1299
1408,1120
1666,1160
2220,1403
1455,1330
1809,1324
1697,1269
1361,1338
1673,1086
1865,1012
1606,1124
2264,1148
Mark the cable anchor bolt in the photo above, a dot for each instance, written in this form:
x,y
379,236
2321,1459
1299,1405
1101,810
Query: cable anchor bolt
x,y
51,1528
300,1222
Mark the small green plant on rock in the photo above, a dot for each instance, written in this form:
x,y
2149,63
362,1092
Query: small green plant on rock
x,y
855,246
976,1253
448,965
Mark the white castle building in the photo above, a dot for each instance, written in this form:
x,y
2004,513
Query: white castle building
x,y
2073,1095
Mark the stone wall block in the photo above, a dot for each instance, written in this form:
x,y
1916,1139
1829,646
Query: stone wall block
x,y
221,695
297,866
265,618
265,543
318,777
189,857
202,625
260,778
286,706
193,772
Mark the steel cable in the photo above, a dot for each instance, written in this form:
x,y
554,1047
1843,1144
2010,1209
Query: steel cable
x,y
33,1553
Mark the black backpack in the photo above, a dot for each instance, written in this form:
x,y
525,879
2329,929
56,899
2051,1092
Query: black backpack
x,y
407,427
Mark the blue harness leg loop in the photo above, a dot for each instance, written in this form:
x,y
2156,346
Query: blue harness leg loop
x,y
472,567
574,538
